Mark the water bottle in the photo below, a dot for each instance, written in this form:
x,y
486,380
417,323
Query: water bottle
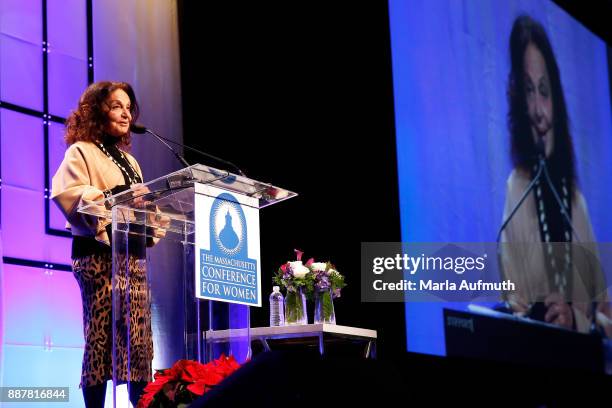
x,y
277,311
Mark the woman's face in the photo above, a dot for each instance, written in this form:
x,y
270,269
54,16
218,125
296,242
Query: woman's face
x,y
119,116
539,99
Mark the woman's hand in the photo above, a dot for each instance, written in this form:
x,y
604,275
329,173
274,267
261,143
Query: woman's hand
x,y
139,192
604,317
519,305
559,311
158,219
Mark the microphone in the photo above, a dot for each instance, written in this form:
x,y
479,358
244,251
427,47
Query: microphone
x,y
140,130
542,170
506,305
540,148
528,190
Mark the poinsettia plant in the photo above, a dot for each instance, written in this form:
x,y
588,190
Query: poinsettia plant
x,y
185,381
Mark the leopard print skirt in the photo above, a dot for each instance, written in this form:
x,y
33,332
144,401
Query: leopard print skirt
x,y
93,273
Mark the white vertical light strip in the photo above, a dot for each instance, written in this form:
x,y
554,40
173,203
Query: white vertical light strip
x,y
138,42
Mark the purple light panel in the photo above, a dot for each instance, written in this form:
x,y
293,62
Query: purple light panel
x,y
41,329
21,74
67,80
57,148
23,228
66,26
66,34
22,19
22,151
45,311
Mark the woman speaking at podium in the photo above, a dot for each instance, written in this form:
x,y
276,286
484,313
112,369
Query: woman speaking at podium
x,y
97,165
542,253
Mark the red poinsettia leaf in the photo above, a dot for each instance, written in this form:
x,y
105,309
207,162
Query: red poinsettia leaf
x,y
191,372
233,363
187,376
213,378
160,374
226,366
154,387
198,388
145,401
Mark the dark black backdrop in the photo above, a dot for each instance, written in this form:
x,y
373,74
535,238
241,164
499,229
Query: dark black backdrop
x,y
299,94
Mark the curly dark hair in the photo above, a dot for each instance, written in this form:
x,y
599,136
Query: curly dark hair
x,y
525,31
88,121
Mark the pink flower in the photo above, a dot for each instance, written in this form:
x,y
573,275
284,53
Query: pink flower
x,y
298,254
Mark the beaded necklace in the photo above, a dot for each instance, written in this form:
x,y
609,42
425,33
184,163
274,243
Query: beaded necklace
x,y
558,258
132,176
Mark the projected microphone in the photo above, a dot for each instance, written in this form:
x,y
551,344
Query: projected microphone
x,y
528,190
140,129
505,307
541,153
540,148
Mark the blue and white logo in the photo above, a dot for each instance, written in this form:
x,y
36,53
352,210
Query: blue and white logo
x,y
228,226
226,271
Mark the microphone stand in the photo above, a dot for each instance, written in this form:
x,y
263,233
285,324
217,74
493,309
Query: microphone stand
x,y
542,169
505,306
530,187
139,129
180,158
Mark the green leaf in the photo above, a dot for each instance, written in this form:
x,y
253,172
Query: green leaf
x,y
294,311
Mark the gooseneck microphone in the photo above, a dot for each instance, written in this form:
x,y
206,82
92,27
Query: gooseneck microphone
x,y
505,306
140,129
528,190
542,170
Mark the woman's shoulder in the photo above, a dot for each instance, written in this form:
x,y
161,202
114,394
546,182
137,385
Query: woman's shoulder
x,y
579,201
82,146
518,180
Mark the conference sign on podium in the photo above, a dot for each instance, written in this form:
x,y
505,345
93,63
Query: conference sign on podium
x,y
227,246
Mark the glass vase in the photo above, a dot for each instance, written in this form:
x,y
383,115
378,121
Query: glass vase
x,y
295,307
324,307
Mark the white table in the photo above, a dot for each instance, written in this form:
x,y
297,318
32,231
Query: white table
x,y
324,333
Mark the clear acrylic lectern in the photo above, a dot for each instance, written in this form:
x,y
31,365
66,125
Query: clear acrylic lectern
x,y
185,260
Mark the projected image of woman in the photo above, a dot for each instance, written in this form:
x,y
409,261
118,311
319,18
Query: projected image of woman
x,y
536,250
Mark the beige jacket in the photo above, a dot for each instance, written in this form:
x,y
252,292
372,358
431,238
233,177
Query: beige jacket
x,y
523,260
81,179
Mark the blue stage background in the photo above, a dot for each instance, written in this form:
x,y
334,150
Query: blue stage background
x,y
450,68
